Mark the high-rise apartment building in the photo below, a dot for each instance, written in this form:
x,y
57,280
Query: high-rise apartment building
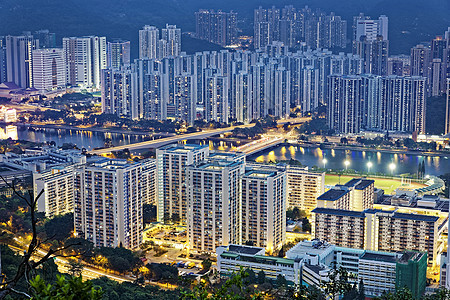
x,y
172,161
216,27
378,230
3,73
118,54
85,58
372,29
119,93
447,110
108,200
344,103
394,103
399,65
49,69
46,38
148,42
304,187
214,202
217,98
150,180
420,61
19,59
403,103
57,184
171,35
355,195
375,54
263,207
293,27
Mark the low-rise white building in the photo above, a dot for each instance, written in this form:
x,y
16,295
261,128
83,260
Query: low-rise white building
x,y
231,258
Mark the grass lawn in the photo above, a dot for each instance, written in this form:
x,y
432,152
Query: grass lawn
x,y
388,185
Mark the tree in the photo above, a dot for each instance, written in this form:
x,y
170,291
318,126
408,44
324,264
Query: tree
x,y
339,283
261,277
206,264
281,281
403,294
59,228
75,268
27,266
251,276
306,226
361,290
64,289
233,289
441,294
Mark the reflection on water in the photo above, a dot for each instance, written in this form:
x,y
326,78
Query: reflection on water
x,y
358,160
81,138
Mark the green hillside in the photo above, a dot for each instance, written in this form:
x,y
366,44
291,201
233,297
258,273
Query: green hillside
x,y
411,21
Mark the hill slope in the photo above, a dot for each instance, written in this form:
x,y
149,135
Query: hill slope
x,y
411,21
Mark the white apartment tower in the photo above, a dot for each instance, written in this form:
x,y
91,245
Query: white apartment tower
x,y
19,60
118,54
58,190
263,207
372,28
119,93
447,110
85,57
214,202
49,69
304,187
172,161
148,42
109,195
172,36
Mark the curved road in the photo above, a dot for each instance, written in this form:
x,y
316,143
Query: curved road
x,y
163,141
190,136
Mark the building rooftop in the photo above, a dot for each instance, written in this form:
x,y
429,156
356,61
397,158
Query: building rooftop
x,y
332,195
249,250
182,148
311,248
386,257
339,212
359,183
260,174
415,217
411,256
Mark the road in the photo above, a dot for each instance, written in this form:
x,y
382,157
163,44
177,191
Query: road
x,y
163,141
190,136
63,267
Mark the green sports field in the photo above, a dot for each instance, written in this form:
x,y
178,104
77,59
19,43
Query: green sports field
x,y
388,185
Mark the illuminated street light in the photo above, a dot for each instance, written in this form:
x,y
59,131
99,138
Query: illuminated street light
x,y
346,163
392,167
369,165
324,162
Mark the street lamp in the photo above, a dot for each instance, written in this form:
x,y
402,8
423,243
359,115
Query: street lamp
x,y
392,167
346,163
369,165
324,162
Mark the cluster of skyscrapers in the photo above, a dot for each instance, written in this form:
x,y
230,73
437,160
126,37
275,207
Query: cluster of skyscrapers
x,y
225,200
220,197
242,86
33,61
290,68
217,27
298,27
152,45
